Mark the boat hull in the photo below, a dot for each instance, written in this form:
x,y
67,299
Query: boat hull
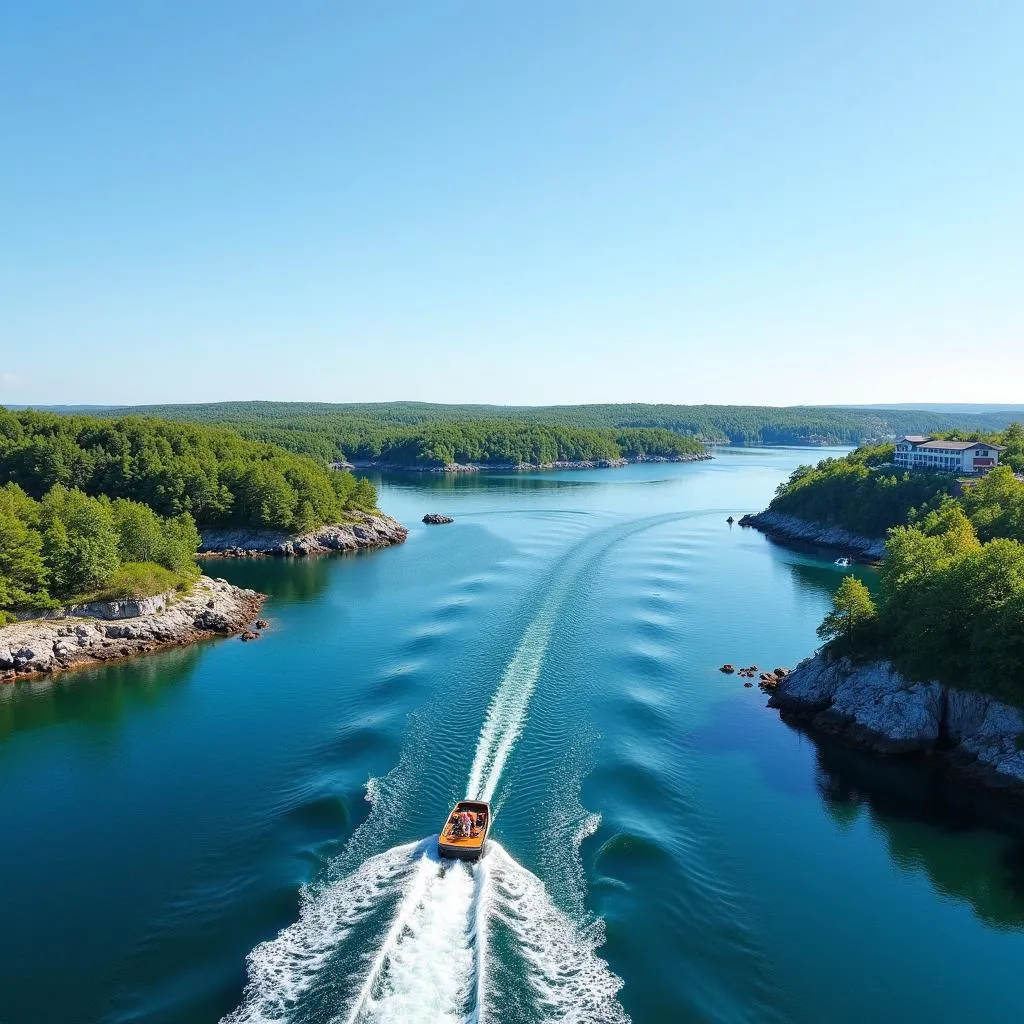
x,y
457,853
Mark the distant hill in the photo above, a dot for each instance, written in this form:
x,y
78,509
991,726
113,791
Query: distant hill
x,y
969,408
414,432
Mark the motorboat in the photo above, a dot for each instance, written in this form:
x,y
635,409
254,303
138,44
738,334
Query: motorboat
x,y
456,840
844,562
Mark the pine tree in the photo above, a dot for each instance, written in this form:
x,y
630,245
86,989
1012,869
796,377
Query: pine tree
x,y
852,609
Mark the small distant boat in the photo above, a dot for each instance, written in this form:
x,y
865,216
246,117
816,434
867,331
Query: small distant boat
x,y
844,562
455,842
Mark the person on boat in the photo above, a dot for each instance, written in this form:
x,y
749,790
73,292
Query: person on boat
x,y
467,823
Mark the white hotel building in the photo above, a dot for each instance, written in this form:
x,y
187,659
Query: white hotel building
x,y
915,452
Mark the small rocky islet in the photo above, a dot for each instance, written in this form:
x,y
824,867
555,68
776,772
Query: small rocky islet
x,y
767,680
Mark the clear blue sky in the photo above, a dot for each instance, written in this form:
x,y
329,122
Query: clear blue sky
x,y
530,202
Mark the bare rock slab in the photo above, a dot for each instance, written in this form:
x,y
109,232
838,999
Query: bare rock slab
x,y
211,608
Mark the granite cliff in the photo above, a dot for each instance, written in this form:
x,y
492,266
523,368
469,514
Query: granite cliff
x,y
874,706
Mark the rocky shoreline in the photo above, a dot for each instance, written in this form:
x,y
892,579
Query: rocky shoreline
x,y
366,532
526,467
875,707
49,646
781,526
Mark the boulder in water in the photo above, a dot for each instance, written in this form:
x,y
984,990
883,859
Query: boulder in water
x,y
436,519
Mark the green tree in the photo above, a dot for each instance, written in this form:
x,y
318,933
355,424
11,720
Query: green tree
x,y
365,494
82,551
852,609
140,531
23,577
181,541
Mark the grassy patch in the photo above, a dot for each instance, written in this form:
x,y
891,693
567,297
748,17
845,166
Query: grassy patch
x,y
142,579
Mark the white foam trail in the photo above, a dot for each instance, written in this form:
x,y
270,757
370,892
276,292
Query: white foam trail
x,y
570,981
428,871
431,966
424,970
281,970
507,710
480,935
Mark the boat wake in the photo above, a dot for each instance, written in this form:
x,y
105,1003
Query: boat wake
x,y
503,723
432,964
436,921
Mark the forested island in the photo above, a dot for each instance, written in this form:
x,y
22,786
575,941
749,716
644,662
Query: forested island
x,y
485,442
418,433
95,509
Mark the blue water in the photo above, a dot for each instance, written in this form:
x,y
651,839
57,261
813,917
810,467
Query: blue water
x,y
243,831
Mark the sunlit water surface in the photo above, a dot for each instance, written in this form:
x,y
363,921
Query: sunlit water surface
x,y
243,831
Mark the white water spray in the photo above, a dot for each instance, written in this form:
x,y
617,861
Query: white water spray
x,y
282,970
570,982
432,964
424,968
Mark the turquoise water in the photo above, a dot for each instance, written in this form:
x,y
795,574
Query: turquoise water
x,y
242,831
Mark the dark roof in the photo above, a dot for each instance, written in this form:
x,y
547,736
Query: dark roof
x,y
960,446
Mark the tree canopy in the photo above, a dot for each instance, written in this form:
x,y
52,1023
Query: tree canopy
x,y
212,473
852,610
69,546
860,492
951,606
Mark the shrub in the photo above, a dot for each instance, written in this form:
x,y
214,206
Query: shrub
x,y
144,579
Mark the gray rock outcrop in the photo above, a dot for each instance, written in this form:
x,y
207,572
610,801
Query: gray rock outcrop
x,y
436,519
787,527
365,532
123,608
211,608
874,706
